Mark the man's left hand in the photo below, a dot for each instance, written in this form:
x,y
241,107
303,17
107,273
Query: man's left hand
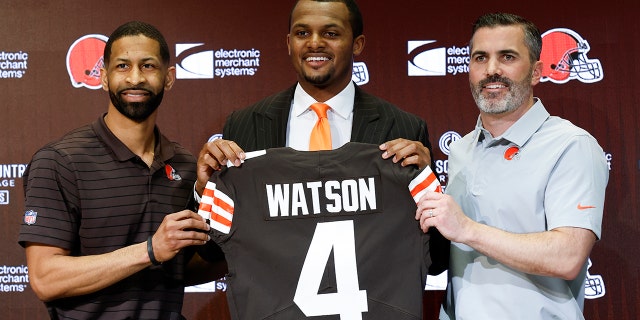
x,y
406,152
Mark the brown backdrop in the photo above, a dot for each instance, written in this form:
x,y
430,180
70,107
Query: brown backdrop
x,y
38,102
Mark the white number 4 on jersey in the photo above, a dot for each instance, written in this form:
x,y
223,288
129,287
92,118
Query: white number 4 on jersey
x,y
349,301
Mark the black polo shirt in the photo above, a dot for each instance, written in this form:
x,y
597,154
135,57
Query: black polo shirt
x,y
88,193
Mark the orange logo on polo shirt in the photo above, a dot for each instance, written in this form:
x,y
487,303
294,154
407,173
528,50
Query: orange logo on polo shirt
x,y
171,173
511,153
581,207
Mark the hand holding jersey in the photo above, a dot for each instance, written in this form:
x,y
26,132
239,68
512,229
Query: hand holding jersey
x,y
281,215
216,153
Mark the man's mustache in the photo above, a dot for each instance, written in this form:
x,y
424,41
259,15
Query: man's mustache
x,y
495,78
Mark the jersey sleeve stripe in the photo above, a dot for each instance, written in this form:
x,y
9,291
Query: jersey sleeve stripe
x,y
222,213
220,227
425,181
223,201
208,190
205,210
206,201
217,207
222,218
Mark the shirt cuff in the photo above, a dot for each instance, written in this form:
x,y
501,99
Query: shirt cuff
x,y
196,196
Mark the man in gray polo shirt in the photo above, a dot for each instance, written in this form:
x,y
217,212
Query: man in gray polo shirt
x,y
523,206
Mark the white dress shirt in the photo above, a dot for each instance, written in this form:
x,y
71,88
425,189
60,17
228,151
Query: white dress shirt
x,y
302,119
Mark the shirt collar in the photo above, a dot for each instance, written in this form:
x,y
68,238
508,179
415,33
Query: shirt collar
x,y
520,132
341,104
163,148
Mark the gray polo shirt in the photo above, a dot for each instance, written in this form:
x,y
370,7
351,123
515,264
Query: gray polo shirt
x,y
542,173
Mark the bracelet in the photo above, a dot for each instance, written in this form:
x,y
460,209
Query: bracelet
x,y
152,257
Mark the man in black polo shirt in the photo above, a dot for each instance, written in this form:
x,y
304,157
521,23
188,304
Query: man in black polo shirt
x,y
105,230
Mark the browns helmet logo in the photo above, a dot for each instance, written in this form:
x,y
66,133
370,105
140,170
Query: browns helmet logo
x,y
84,60
512,153
564,57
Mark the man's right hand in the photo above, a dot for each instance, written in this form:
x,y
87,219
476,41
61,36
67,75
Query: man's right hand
x,y
213,156
54,273
177,231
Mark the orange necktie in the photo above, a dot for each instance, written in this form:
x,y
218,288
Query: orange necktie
x,y
321,132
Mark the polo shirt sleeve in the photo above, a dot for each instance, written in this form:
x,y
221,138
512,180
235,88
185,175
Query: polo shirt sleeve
x,y
575,192
51,199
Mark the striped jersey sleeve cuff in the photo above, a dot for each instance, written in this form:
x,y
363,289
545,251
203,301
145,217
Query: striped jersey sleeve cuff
x,y
425,181
217,208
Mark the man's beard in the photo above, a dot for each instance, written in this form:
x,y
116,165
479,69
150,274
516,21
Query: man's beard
x,y
136,111
516,96
320,80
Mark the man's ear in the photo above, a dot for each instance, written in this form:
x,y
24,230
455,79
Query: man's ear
x,y
358,45
103,79
537,73
170,78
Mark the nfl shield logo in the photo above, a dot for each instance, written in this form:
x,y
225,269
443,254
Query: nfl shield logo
x,y
30,217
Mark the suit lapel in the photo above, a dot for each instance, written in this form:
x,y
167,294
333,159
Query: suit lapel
x,y
369,122
271,120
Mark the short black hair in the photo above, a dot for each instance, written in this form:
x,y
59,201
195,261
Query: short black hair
x,y
355,17
134,28
532,37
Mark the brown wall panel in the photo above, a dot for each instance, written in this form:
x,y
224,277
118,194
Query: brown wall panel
x,y
41,104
